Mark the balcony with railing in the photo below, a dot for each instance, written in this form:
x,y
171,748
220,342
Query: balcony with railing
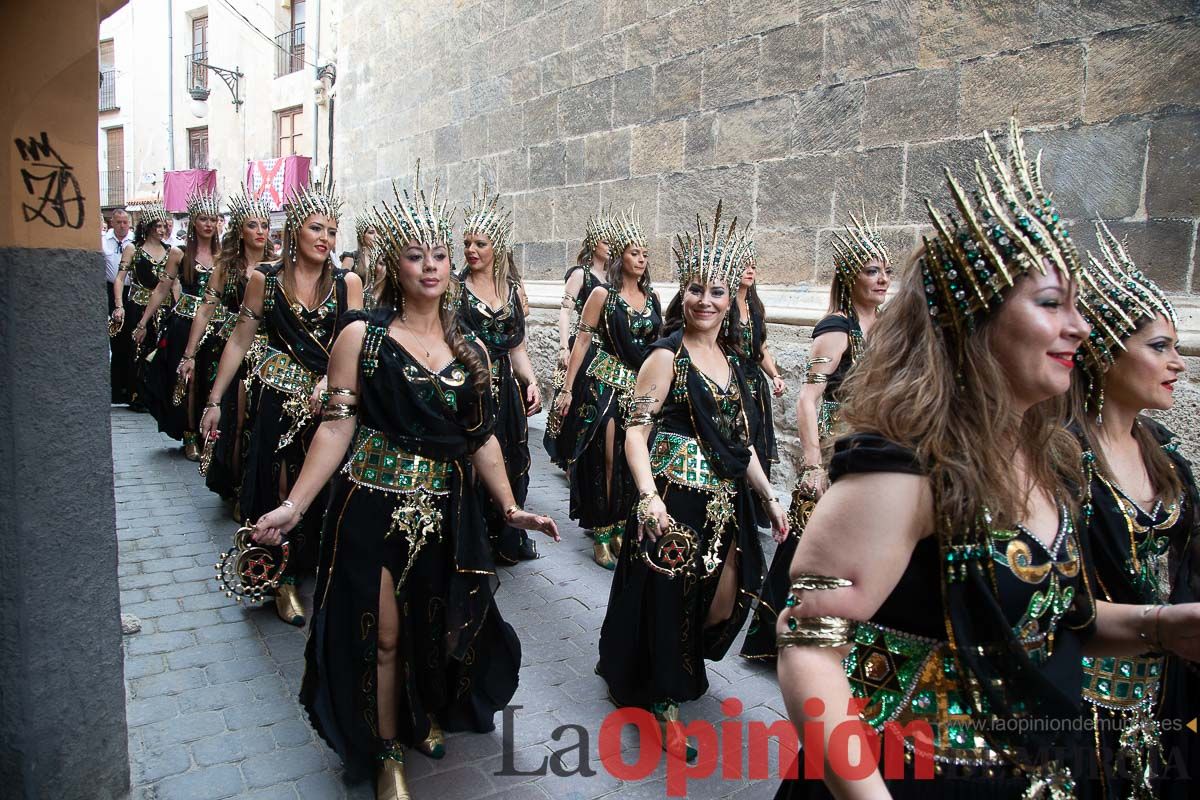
x,y
108,89
112,186
197,74
289,51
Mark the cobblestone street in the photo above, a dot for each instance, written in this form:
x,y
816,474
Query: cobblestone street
x,y
211,686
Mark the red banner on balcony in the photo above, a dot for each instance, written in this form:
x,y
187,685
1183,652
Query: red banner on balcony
x,y
274,178
178,186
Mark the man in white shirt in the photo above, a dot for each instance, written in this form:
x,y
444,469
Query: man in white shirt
x,y
112,243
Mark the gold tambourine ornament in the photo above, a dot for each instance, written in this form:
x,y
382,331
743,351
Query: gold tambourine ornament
x,y
554,420
114,327
206,455
180,391
249,570
804,500
673,553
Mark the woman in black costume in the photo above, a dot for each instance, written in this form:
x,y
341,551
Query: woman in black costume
x,y
245,245
299,303
1142,525
173,401
762,373
363,262
682,592
945,554
623,319
406,640
584,275
861,276
146,260
493,308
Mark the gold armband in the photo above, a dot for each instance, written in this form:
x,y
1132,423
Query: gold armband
x,y
817,377
639,411
585,328
814,631
248,314
335,411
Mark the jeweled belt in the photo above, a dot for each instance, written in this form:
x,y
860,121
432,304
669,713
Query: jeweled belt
x,y
280,371
609,370
375,463
227,326
140,294
1121,683
415,480
187,305
681,461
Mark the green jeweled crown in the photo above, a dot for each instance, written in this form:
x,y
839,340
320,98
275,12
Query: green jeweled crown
x,y
852,250
303,201
414,218
621,231
485,215
203,203
715,253
244,206
1010,228
1114,297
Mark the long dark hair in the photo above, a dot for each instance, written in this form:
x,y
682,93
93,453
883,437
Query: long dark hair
x,y
614,271
142,231
323,285
229,267
728,338
393,297
188,267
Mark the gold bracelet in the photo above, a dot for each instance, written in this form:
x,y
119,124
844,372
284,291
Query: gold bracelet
x,y
815,632
336,411
510,511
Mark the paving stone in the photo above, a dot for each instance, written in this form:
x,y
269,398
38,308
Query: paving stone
x,y
183,729
141,666
188,620
282,765
170,682
241,670
155,709
292,733
215,698
158,764
212,783
230,746
200,655
158,643
257,714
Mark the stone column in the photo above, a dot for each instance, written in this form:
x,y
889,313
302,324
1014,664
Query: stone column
x,y
62,700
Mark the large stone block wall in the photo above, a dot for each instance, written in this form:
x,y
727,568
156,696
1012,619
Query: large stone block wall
x,y
795,112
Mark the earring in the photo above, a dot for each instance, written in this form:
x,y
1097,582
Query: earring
x,y
403,316
725,325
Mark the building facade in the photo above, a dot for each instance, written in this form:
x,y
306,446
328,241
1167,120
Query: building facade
x,y
152,57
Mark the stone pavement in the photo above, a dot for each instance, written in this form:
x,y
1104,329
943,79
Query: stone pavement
x,y
211,686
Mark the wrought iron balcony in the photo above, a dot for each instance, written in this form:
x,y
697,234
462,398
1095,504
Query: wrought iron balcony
x,y
289,51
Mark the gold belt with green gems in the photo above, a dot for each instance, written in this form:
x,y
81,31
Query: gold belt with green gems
x,y
1121,683
282,372
140,294
187,305
378,464
681,461
609,370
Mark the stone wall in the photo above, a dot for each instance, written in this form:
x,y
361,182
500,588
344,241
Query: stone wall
x,y
794,112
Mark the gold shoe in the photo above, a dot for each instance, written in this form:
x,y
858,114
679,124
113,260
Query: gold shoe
x,y
616,543
288,605
390,783
667,715
602,551
191,450
433,745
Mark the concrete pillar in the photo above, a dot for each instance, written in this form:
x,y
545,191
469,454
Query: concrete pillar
x,y
62,699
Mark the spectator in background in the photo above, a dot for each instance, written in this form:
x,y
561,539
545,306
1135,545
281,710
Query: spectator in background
x,y
112,242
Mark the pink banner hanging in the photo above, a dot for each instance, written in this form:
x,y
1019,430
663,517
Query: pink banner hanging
x,y
178,186
274,178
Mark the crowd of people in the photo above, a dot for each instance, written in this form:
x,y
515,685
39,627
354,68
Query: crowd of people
x,y
989,543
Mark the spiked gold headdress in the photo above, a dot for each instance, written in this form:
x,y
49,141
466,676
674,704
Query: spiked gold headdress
x,y
1011,228
1115,297
303,201
594,232
622,231
203,203
244,206
155,212
362,223
413,218
852,251
713,254
486,216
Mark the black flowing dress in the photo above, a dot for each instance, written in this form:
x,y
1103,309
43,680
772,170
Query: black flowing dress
x,y
653,642
1021,613
162,373
560,446
1142,557
295,357
224,475
405,501
752,336
501,331
621,346
760,638
127,362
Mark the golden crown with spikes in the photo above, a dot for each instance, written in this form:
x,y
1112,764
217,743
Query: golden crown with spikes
x,y
712,254
413,218
155,212
244,206
1115,297
853,249
203,203
594,231
1009,228
621,231
304,201
362,223
485,215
